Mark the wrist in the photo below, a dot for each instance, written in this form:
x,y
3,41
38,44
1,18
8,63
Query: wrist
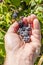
x,y
14,59
9,60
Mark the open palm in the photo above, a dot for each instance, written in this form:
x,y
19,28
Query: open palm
x,y
24,53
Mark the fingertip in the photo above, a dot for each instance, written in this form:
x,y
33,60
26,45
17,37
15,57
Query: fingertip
x,y
28,19
36,24
33,17
15,24
25,19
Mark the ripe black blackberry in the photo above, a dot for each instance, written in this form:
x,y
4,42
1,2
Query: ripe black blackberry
x,y
21,24
15,14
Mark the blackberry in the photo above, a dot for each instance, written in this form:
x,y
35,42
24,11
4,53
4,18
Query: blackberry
x,y
14,15
23,28
26,39
21,32
20,29
25,33
20,24
28,28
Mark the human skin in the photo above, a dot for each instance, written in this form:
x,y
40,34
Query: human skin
x,y
19,52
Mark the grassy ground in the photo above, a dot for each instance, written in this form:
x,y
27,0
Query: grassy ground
x,y
7,8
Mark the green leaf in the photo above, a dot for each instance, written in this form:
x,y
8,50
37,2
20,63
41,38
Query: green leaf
x,y
33,3
7,1
8,18
38,1
15,2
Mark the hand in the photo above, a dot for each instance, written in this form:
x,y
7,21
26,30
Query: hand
x,y
22,53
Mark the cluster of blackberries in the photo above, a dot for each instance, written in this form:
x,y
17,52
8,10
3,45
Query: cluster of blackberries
x,y
24,31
